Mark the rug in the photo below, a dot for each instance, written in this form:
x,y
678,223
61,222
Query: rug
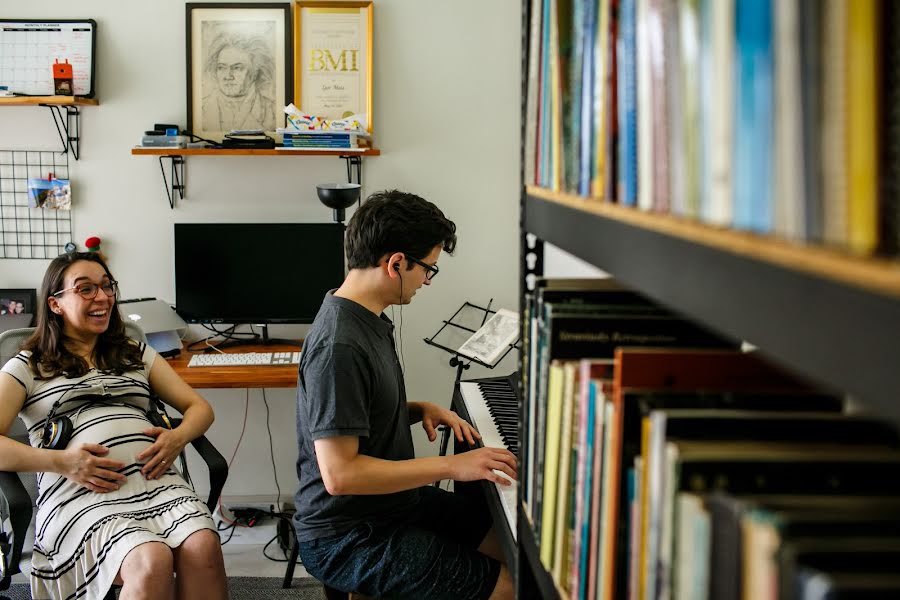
x,y
240,588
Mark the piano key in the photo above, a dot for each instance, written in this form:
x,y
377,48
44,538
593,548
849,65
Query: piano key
x,y
493,409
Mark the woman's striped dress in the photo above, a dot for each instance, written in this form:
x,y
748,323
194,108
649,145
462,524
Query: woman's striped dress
x,y
81,536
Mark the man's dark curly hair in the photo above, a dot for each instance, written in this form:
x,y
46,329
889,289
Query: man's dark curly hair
x,y
395,221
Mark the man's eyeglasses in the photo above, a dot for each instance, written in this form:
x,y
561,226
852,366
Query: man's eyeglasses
x,y
88,291
430,270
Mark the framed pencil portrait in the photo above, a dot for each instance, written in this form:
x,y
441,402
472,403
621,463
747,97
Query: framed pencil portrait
x,y
239,66
333,58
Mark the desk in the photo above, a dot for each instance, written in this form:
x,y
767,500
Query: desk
x,y
250,376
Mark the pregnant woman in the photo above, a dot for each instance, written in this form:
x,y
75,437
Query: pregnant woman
x,y
110,507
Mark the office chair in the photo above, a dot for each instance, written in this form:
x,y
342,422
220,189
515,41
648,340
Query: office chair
x,y
19,489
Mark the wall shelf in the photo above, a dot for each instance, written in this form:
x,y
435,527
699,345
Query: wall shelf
x,y
247,152
175,185
68,125
830,317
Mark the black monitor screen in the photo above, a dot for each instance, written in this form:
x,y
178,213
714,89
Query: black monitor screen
x,y
256,273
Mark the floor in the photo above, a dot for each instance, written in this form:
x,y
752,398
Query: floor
x,y
244,554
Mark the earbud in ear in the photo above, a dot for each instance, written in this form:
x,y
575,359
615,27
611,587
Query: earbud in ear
x,y
397,267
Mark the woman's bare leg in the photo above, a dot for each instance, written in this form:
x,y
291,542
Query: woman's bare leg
x,y
147,573
200,568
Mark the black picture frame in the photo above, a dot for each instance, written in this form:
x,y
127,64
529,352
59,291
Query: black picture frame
x,y
259,40
24,297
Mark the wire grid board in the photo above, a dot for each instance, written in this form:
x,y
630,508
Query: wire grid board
x,y
31,232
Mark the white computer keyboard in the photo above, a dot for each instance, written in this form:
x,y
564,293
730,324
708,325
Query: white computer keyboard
x,y
240,359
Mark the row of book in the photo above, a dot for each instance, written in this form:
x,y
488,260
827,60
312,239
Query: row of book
x,y
774,116
661,461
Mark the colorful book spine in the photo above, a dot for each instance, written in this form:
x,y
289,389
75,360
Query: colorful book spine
x,y
862,141
753,116
627,104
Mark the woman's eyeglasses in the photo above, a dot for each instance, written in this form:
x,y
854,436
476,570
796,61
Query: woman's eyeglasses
x,y
430,270
88,291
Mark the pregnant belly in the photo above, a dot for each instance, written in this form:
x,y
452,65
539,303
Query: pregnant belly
x,y
118,428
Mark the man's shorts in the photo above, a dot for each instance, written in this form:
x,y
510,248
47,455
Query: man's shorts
x,y
430,554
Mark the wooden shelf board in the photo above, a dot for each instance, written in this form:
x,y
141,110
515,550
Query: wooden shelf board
x,y
247,152
827,316
873,274
53,100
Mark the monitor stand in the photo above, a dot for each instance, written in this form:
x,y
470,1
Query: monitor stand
x,y
263,340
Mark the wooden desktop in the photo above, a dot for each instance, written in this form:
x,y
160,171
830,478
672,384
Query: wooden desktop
x,y
247,376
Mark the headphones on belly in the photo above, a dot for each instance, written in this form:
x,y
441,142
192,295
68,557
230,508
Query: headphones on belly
x,y
57,431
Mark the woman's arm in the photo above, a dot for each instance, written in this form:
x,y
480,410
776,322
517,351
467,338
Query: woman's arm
x,y
197,417
15,456
83,464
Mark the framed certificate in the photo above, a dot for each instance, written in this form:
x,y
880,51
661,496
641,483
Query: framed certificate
x,y
333,58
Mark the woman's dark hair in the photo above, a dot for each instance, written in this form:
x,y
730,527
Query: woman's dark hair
x,y
395,221
114,352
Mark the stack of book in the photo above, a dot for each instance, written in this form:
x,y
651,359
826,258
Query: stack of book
x,y
298,139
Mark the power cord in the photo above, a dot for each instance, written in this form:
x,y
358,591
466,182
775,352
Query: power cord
x,y
222,517
272,449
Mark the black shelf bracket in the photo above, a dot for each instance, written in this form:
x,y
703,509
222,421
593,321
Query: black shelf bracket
x,y
68,126
353,160
175,182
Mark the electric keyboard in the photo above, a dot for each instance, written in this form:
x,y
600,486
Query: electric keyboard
x,y
244,359
492,406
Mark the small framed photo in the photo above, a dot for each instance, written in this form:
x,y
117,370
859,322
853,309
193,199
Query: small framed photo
x,y
239,67
17,308
333,58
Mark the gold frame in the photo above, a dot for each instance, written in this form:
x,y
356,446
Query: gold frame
x,y
364,7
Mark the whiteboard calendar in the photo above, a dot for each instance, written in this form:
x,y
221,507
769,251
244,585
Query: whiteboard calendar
x,y
28,50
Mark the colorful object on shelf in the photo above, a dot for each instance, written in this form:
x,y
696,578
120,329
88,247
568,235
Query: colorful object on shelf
x,y
62,78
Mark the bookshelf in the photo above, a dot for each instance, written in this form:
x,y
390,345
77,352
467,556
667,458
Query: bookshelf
x,y
826,315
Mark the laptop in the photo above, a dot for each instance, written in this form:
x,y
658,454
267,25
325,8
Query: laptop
x,y
159,322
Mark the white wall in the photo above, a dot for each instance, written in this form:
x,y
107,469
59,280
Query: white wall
x,y
446,107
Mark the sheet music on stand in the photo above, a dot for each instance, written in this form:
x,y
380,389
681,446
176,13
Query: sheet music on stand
x,y
475,334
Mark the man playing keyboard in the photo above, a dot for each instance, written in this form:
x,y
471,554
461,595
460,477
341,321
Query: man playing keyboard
x,y
366,519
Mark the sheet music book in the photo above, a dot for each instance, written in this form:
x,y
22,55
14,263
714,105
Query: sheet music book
x,y
28,50
493,339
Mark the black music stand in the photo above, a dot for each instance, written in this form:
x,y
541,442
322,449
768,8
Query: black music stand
x,y
462,321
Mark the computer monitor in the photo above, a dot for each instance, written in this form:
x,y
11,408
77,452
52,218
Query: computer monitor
x,y
258,273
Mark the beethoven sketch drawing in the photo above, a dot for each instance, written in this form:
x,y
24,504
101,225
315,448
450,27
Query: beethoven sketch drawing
x,y
238,84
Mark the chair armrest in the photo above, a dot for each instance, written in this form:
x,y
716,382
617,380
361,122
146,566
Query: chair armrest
x,y
12,488
215,462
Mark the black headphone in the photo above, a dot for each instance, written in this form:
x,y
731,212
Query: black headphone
x,y
58,430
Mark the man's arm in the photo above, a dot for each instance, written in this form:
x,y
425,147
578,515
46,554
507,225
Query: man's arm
x,y
346,472
415,412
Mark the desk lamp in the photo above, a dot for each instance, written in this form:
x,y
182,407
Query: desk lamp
x,y
338,197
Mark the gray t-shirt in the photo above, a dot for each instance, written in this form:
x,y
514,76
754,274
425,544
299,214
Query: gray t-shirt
x,y
350,384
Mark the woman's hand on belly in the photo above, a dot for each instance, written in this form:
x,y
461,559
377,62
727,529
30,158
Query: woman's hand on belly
x,y
85,465
161,453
